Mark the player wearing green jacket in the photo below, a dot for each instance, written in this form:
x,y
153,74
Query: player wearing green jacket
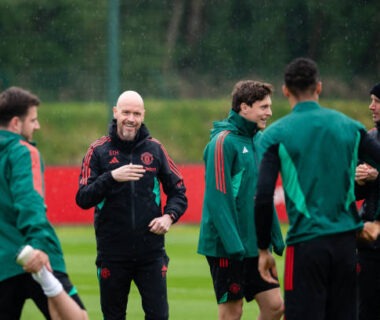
x,y
316,151
22,209
23,221
227,232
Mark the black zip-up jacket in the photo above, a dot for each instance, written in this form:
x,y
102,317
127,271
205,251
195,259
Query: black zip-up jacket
x,y
370,192
123,210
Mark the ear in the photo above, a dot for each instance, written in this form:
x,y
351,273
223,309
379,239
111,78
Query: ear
x,y
243,108
15,125
114,111
319,87
285,91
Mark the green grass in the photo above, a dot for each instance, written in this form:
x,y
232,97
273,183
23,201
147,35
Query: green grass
x,y
191,296
183,126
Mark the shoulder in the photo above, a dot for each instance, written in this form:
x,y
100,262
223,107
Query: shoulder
x,y
99,143
29,148
154,141
224,136
22,147
154,145
223,139
24,155
341,116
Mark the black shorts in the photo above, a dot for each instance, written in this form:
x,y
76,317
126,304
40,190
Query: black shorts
x,y
235,280
320,279
14,291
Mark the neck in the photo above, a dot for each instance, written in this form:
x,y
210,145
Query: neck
x,y
293,100
9,128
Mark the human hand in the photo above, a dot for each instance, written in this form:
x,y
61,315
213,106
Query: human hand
x,y
37,260
372,173
128,172
161,225
267,266
365,172
371,230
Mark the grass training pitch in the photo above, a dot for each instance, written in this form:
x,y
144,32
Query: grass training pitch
x,y
190,292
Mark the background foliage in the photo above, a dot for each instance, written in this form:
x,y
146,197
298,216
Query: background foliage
x,y
183,125
185,48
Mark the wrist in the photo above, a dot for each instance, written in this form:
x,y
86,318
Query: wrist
x,y
264,251
172,216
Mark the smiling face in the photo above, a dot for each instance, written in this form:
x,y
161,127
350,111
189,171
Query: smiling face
x,y
129,114
259,112
375,108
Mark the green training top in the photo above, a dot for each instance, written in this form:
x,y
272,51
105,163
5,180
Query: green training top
x,y
318,151
22,209
231,167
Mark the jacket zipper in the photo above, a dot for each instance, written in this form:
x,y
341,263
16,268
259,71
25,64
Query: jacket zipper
x,y
133,207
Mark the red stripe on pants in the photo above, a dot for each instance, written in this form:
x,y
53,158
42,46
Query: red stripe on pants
x,y
289,268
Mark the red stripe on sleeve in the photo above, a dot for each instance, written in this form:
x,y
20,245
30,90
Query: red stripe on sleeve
x,y
36,168
86,170
289,268
219,163
172,165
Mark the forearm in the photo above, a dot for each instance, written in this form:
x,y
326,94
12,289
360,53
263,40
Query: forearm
x,y
95,191
264,197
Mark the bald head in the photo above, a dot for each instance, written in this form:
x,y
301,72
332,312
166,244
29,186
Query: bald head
x,y
130,98
129,114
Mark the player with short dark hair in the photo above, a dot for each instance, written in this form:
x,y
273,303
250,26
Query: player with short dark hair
x,y
316,151
23,223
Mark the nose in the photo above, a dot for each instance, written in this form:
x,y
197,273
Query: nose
x,y
130,117
37,125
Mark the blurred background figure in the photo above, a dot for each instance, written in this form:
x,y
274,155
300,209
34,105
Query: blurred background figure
x,y
23,220
368,188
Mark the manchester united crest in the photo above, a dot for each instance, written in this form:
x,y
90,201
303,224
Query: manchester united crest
x,y
147,158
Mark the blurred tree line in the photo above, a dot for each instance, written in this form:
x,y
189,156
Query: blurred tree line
x,y
186,48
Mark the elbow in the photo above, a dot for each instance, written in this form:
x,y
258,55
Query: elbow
x,y
82,203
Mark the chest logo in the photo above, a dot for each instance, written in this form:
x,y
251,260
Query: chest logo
x,y
147,158
245,150
114,160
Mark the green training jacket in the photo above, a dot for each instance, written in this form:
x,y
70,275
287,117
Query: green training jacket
x,y
318,152
22,209
231,166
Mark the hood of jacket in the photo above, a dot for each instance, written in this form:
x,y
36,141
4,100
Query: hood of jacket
x,y
236,124
8,137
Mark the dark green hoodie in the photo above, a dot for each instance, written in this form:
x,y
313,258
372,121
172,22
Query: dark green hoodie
x,y
231,164
22,209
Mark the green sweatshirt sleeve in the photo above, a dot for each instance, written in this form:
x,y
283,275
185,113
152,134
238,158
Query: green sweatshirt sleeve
x,y
27,189
221,204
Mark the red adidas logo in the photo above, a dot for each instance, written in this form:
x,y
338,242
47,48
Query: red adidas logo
x,y
114,160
